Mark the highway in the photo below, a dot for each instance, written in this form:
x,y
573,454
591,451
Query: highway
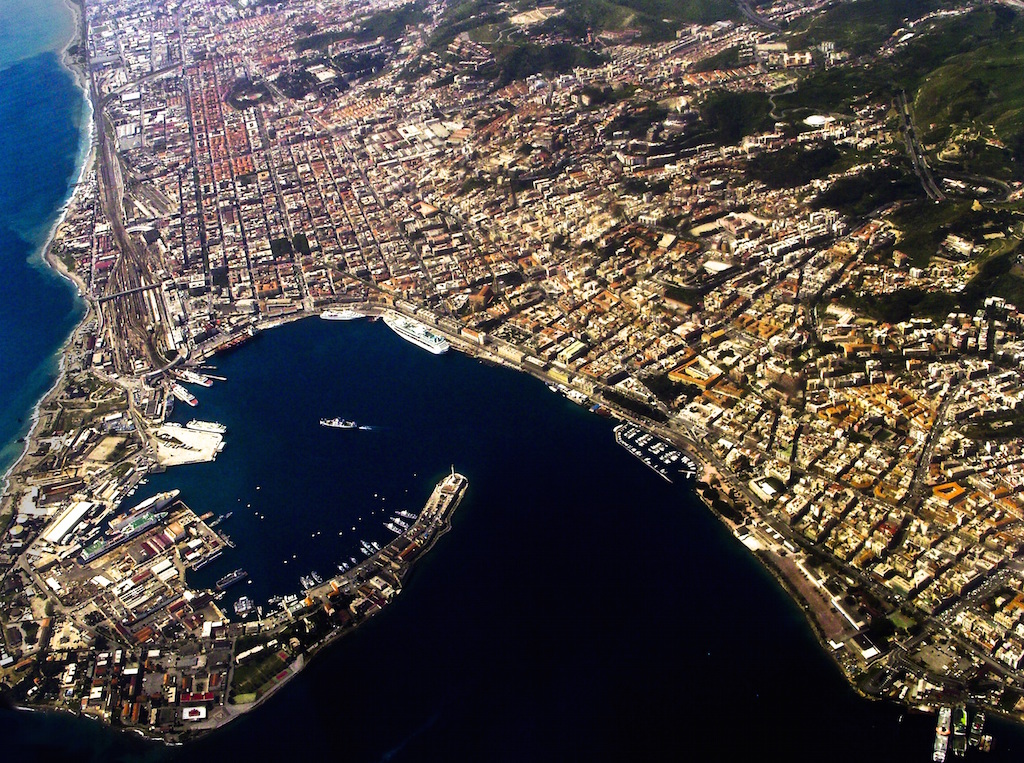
x,y
917,155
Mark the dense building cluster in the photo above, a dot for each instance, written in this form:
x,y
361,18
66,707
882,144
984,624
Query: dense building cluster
x,y
585,226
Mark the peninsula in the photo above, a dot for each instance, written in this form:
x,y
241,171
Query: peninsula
x,y
759,237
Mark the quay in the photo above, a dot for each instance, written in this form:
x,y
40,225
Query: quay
x,y
267,653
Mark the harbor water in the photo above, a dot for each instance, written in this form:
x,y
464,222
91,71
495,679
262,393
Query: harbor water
x,y
581,608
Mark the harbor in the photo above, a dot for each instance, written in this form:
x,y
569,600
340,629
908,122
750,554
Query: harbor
x,y
499,595
662,458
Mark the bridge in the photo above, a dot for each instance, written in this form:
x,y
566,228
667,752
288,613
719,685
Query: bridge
x,y
126,292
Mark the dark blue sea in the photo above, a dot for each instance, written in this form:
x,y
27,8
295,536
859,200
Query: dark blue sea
x,y
43,122
580,609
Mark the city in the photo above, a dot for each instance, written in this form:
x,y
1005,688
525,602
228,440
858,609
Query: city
x,y
625,227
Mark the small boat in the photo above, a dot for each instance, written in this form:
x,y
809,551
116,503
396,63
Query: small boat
x,y
338,423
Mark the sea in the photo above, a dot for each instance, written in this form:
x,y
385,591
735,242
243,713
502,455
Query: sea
x,y
580,608
44,138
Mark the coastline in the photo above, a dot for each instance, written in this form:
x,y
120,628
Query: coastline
x,y
84,162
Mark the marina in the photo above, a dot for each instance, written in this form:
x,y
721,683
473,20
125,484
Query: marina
x,y
655,453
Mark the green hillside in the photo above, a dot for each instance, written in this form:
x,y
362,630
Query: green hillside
x,y
970,110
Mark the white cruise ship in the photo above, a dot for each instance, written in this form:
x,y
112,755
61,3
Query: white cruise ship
x,y
340,315
417,333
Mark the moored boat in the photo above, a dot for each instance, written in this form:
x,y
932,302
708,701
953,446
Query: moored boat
x,y
416,333
340,315
231,578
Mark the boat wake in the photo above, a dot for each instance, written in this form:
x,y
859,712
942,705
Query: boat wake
x,y
390,754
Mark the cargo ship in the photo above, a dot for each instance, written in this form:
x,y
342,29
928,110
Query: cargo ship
x,y
206,426
231,578
340,315
338,423
155,503
416,333
242,337
942,730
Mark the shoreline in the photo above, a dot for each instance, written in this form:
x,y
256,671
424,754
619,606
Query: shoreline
x,y
84,162
709,486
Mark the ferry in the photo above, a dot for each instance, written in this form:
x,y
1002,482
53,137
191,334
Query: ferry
x,y
338,423
157,502
400,522
340,315
206,426
942,730
416,333
184,395
394,528
191,377
231,578
406,514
